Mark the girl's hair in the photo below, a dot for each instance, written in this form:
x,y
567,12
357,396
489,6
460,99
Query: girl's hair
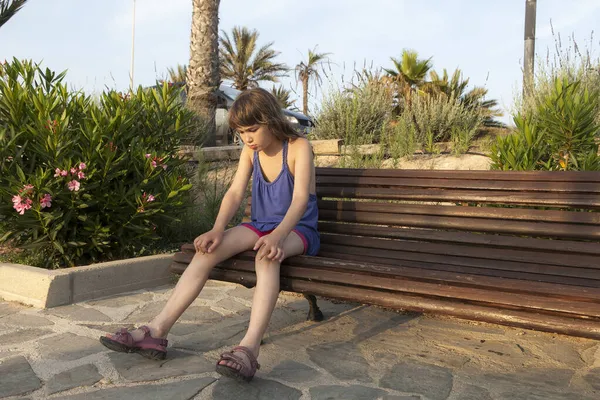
x,y
259,107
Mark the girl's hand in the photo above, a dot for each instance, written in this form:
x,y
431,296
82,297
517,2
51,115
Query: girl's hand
x,y
208,242
271,247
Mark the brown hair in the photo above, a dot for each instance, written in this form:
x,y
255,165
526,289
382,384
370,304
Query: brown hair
x,y
259,107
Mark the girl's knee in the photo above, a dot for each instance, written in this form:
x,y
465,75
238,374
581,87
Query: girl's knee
x,y
265,263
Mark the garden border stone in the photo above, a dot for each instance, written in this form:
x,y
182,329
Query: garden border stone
x,y
45,288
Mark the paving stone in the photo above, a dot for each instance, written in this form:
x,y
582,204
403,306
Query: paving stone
x,y
457,324
540,393
593,378
429,380
68,347
76,312
22,336
146,313
241,293
184,390
341,359
17,377
233,306
7,354
200,313
392,397
294,372
563,352
122,300
26,320
226,332
531,378
7,308
84,375
372,321
109,328
354,392
182,328
259,389
213,293
471,392
136,368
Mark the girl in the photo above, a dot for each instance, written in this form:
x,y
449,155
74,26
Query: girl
x,y
284,224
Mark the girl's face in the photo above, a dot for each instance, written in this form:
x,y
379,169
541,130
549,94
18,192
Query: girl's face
x,y
256,137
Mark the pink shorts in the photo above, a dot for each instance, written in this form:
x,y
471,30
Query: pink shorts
x,y
264,233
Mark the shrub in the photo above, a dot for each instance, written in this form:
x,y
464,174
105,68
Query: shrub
x,y
85,180
559,134
436,118
358,115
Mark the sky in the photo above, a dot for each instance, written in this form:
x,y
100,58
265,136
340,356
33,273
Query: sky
x,y
484,38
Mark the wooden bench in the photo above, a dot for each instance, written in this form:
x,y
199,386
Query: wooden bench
x,y
513,248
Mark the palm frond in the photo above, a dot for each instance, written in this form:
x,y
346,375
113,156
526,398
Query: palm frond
x,y
8,9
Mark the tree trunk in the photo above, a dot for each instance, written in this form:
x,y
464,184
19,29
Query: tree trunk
x,y
529,53
203,72
305,95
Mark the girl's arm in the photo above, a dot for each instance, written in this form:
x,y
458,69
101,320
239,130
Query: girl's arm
x,y
236,192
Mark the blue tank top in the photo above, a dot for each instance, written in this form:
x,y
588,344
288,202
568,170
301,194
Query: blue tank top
x,y
271,200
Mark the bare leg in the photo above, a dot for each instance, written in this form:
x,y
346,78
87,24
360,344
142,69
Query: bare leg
x,y
265,297
235,240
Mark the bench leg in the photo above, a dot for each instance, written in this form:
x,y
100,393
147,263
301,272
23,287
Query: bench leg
x,y
314,314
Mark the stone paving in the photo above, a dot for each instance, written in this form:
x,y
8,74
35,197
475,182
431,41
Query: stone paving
x,y
358,353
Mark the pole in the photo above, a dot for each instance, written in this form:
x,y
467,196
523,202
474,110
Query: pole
x,y
529,53
132,48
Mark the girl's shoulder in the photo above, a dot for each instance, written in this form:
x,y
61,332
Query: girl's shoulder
x,y
299,144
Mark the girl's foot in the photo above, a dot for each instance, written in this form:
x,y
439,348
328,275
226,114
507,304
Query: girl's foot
x,y
147,346
239,363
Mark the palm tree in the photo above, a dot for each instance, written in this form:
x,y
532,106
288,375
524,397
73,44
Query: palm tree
x,y
178,74
203,72
246,65
410,72
456,87
308,70
8,8
283,96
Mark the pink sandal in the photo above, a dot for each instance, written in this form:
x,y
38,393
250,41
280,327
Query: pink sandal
x,y
149,347
246,372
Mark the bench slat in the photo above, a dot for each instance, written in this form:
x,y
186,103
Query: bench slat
x,y
403,284
479,184
463,250
505,214
520,176
578,200
538,272
572,231
418,273
481,239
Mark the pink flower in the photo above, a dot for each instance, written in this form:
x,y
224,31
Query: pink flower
x,y
150,198
17,199
148,155
74,186
153,163
73,171
46,201
64,173
80,175
27,187
57,172
20,207
141,209
82,166
164,166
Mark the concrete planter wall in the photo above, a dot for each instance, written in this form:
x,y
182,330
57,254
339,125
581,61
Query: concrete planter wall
x,y
44,288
